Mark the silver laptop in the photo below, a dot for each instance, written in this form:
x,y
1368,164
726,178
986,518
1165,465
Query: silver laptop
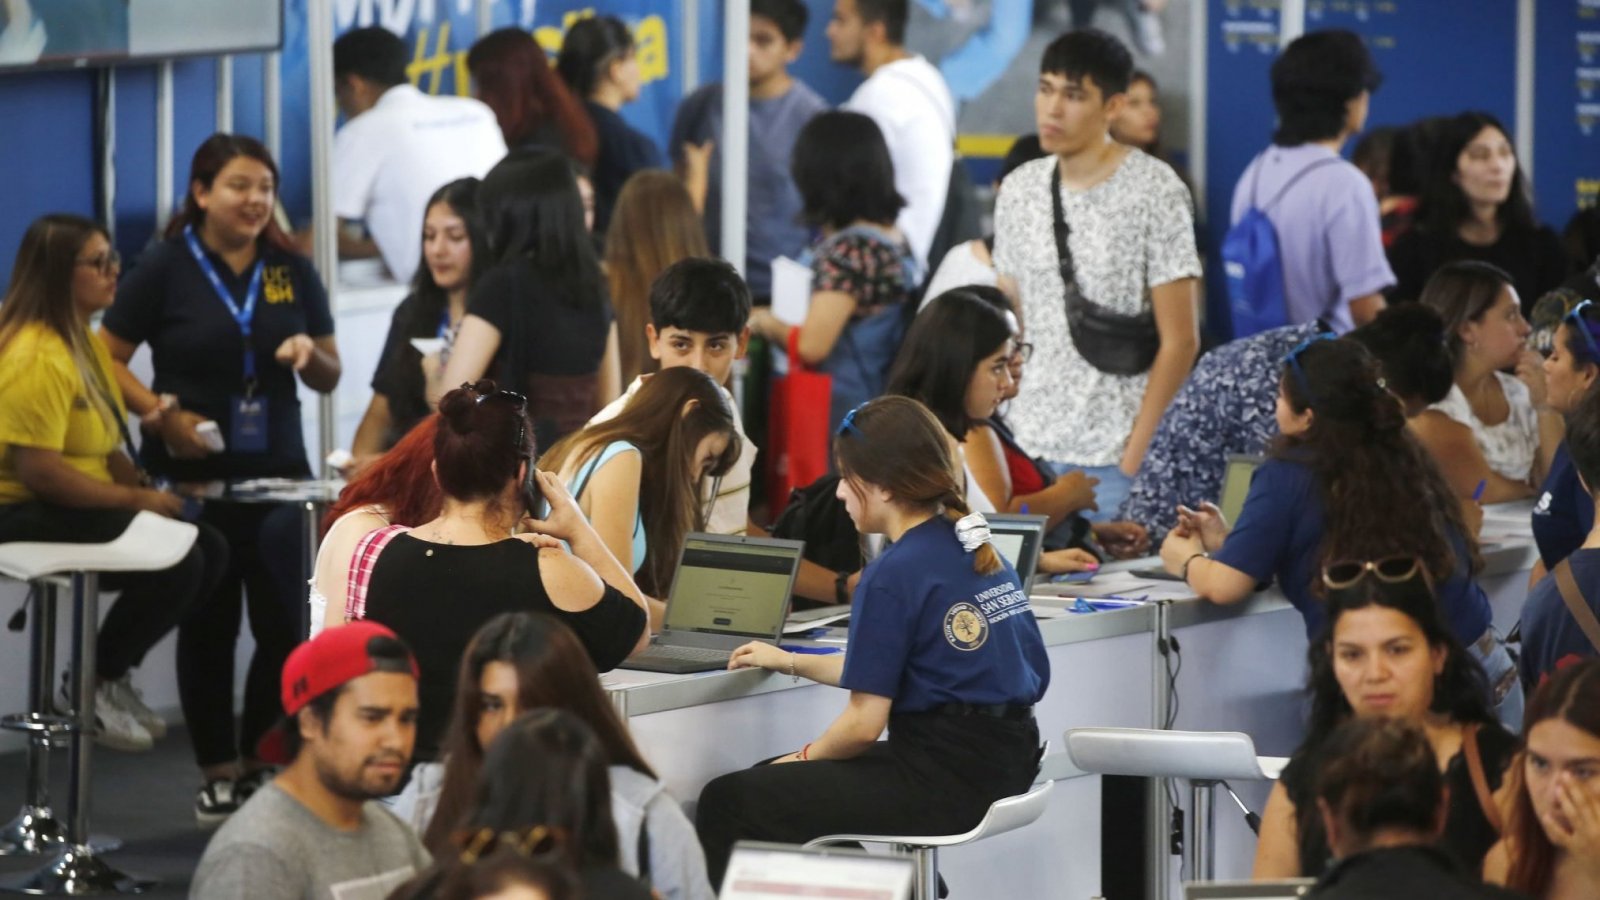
x,y
760,871
729,590
1020,539
1287,889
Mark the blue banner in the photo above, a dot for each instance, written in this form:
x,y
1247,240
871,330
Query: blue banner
x,y
1566,108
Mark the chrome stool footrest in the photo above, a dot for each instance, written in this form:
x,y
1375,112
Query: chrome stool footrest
x,y
50,726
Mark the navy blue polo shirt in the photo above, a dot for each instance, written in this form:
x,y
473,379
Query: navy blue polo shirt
x,y
1279,537
926,630
166,301
1550,633
1565,512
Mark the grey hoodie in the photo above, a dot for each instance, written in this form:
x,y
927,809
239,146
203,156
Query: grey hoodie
x,y
677,864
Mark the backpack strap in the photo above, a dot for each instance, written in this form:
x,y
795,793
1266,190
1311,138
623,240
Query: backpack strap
x,y
361,565
1480,782
1293,180
1573,597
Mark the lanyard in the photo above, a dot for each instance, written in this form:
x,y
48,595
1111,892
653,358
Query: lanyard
x,y
241,315
444,325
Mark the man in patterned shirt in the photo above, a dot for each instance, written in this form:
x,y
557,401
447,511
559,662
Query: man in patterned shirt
x,y
1132,246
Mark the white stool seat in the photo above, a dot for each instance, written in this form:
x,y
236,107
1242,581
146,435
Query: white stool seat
x,y
1152,753
1007,814
151,543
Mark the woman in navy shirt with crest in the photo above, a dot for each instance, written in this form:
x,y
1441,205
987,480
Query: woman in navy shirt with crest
x,y
944,652
232,315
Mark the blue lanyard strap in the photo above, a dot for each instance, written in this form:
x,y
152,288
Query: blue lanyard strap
x,y
241,315
444,325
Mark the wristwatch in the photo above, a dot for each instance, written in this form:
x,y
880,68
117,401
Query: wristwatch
x,y
165,403
841,588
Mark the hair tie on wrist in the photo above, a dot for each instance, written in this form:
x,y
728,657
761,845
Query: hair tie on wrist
x,y
972,530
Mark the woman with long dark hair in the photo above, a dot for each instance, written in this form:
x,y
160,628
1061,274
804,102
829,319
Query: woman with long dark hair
x,y
1551,848
600,66
236,321
454,254
1476,205
512,75
639,477
559,809
1564,515
523,661
1493,428
943,653
1386,652
64,476
1346,480
862,269
538,318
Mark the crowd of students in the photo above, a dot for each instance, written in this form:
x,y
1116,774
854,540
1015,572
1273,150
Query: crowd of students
x,y
537,470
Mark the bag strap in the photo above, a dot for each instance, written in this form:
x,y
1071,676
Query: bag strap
x,y
361,565
643,850
1570,593
1293,180
101,387
1480,782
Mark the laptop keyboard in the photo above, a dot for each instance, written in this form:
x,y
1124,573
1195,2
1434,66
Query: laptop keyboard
x,y
688,654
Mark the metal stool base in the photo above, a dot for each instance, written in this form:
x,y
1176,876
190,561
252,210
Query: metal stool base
x,y
34,832
77,871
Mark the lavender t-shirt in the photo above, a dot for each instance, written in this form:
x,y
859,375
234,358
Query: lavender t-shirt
x,y
1329,236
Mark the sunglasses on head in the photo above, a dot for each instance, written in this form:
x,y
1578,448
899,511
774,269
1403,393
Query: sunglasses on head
x,y
1389,570
1292,360
1575,320
515,399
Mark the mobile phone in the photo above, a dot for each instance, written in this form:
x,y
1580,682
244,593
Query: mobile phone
x,y
532,494
1074,578
210,435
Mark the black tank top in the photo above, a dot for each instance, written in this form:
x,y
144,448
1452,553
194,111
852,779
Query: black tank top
x,y
436,596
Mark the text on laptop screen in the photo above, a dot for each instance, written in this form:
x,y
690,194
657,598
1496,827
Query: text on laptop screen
x,y
1009,545
1236,486
731,589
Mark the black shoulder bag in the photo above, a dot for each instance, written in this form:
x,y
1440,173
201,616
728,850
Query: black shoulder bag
x,y
1112,342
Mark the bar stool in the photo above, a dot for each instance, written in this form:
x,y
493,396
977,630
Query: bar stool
x,y
150,543
1203,758
1005,814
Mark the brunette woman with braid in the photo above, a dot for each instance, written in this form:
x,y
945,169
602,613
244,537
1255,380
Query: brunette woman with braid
x,y
943,651
1346,480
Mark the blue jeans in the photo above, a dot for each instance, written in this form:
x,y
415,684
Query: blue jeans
x,y
1108,495
1504,684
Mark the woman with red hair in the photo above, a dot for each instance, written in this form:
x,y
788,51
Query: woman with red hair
x,y
512,75
398,488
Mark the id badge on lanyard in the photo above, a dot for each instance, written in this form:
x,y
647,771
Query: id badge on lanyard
x,y
247,432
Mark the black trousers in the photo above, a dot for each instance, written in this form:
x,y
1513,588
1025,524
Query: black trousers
x,y
151,603
934,775
260,577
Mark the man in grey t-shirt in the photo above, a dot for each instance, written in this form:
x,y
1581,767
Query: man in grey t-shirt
x,y
316,832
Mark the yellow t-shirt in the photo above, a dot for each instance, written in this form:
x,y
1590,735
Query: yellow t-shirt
x,y
45,403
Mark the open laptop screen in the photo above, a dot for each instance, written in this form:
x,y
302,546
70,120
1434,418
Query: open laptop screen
x,y
731,588
775,872
1236,485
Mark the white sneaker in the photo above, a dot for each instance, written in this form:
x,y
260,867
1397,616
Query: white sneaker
x,y
116,726
130,698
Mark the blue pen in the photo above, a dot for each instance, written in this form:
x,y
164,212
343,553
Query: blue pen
x,y
1477,492
1024,509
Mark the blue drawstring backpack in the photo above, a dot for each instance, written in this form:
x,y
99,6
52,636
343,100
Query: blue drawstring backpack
x,y
1252,264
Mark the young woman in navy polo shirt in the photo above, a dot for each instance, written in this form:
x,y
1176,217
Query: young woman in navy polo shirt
x,y
1346,480
943,651
235,320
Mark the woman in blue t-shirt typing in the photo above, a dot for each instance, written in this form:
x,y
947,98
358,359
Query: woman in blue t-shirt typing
x,y
944,652
1346,480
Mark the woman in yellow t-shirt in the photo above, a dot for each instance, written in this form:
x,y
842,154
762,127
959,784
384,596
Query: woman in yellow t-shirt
x,y
63,476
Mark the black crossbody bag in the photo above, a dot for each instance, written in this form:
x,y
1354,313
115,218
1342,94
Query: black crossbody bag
x,y
1112,342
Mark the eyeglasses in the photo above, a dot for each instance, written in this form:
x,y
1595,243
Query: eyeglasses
x,y
1574,319
1389,570
1292,360
1022,352
105,263
848,424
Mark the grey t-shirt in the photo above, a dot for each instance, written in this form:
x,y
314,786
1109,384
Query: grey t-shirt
x,y
274,848
773,225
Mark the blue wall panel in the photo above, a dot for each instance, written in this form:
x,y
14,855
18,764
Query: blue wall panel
x,y
1566,135
48,156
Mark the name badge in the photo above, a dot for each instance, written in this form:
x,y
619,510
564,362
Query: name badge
x,y
249,431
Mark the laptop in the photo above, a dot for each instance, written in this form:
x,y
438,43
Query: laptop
x,y
759,871
1020,539
729,590
1287,889
1235,488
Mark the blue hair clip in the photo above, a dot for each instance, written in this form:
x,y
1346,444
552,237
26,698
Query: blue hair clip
x,y
1292,360
848,424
